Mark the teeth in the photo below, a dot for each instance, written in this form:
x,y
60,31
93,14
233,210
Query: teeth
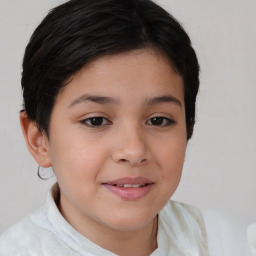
x,y
131,185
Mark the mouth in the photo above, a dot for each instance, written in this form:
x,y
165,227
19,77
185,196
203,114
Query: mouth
x,y
130,185
129,188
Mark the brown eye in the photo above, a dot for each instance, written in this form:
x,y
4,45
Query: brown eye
x,y
95,121
157,120
160,121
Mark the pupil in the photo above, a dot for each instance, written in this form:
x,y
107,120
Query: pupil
x,y
157,121
97,121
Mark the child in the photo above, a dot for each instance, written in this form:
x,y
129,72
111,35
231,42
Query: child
x,y
109,91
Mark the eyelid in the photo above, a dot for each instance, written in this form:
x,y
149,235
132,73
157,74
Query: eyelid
x,y
170,121
167,121
85,120
94,115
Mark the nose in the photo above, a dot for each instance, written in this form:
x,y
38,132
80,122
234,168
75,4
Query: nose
x,y
131,148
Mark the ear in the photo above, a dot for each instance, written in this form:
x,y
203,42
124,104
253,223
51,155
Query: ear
x,y
37,141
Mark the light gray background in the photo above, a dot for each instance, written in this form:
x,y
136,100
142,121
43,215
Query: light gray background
x,y
219,171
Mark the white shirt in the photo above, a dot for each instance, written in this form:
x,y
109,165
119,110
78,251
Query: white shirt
x,y
181,232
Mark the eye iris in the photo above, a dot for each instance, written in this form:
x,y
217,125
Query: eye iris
x,y
96,121
157,120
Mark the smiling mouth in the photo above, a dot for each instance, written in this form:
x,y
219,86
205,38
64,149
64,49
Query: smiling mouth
x,y
129,188
129,185
129,182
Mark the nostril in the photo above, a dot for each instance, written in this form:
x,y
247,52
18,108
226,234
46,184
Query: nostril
x,y
144,160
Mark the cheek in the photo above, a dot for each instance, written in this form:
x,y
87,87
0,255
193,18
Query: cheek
x,y
76,157
77,167
171,157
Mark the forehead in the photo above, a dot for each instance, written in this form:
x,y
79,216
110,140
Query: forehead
x,y
138,73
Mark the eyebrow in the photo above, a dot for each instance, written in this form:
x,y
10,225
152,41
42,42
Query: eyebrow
x,y
94,98
108,100
163,99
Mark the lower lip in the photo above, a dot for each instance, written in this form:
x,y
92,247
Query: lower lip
x,y
129,193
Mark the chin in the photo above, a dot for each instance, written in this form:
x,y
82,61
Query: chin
x,y
130,221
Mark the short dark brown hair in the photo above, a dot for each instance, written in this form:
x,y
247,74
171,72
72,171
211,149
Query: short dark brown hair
x,y
79,31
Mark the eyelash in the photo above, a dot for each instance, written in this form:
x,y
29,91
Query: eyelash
x,y
104,121
96,118
167,121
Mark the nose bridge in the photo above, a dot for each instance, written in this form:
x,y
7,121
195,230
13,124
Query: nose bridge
x,y
131,145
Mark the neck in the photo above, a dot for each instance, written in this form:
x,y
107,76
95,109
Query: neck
x,y
141,242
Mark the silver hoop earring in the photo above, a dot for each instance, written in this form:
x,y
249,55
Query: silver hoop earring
x,y
42,176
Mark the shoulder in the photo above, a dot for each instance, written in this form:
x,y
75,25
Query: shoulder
x,y
32,236
183,226
17,240
226,235
36,234
184,219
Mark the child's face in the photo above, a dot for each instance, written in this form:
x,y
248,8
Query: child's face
x,y
121,120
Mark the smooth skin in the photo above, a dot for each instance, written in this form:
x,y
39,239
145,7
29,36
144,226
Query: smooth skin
x,y
120,116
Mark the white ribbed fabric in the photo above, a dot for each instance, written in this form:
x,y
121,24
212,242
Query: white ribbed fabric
x,y
46,233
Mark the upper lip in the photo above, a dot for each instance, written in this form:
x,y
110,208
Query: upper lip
x,y
129,180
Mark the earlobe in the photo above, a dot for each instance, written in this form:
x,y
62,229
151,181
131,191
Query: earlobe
x,y
36,140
